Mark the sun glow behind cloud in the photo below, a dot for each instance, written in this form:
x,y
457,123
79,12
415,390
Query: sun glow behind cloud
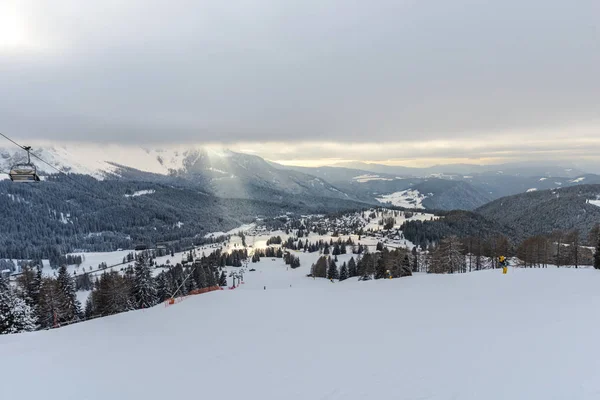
x,y
576,143
19,34
13,32
306,83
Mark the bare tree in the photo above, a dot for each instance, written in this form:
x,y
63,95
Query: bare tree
x,y
448,257
558,237
573,239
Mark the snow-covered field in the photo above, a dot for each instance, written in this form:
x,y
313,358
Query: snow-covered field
x,y
233,231
530,335
140,193
370,177
595,202
405,198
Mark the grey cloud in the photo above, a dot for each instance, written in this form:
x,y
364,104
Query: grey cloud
x,y
266,70
493,149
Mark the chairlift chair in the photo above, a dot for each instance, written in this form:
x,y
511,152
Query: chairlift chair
x,y
24,172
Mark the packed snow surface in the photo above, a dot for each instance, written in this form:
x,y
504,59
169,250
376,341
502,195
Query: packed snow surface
x,y
530,334
531,190
406,198
578,179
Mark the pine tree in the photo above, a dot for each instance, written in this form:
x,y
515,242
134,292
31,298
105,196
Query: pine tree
x,y
319,269
380,268
70,308
211,278
332,271
405,264
415,258
352,272
343,272
200,277
29,283
49,303
295,262
336,250
114,294
163,287
366,265
190,284
15,314
143,285
223,279
89,308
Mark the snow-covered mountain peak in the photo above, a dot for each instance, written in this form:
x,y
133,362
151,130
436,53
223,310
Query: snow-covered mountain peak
x,y
100,160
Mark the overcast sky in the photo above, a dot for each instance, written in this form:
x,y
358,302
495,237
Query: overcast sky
x,y
309,80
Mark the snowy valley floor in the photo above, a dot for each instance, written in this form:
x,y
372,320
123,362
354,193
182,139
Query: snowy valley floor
x,y
531,334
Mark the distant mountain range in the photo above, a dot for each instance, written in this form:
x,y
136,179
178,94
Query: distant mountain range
x,y
452,170
117,198
228,174
449,190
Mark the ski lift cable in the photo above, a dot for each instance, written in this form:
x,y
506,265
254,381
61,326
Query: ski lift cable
x,y
50,165
10,140
183,283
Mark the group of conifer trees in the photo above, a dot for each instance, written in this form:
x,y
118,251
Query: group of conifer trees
x,y
38,302
136,288
379,265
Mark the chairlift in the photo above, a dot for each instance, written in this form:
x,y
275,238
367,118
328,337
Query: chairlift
x,y
24,172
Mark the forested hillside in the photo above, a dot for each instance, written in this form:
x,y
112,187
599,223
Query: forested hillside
x,y
462,224
557,227
542,212
451,195
60,215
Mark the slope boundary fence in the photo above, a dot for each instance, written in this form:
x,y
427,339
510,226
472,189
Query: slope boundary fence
x,y
175,300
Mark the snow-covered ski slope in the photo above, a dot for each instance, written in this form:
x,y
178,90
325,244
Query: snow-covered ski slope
x,y
531,334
